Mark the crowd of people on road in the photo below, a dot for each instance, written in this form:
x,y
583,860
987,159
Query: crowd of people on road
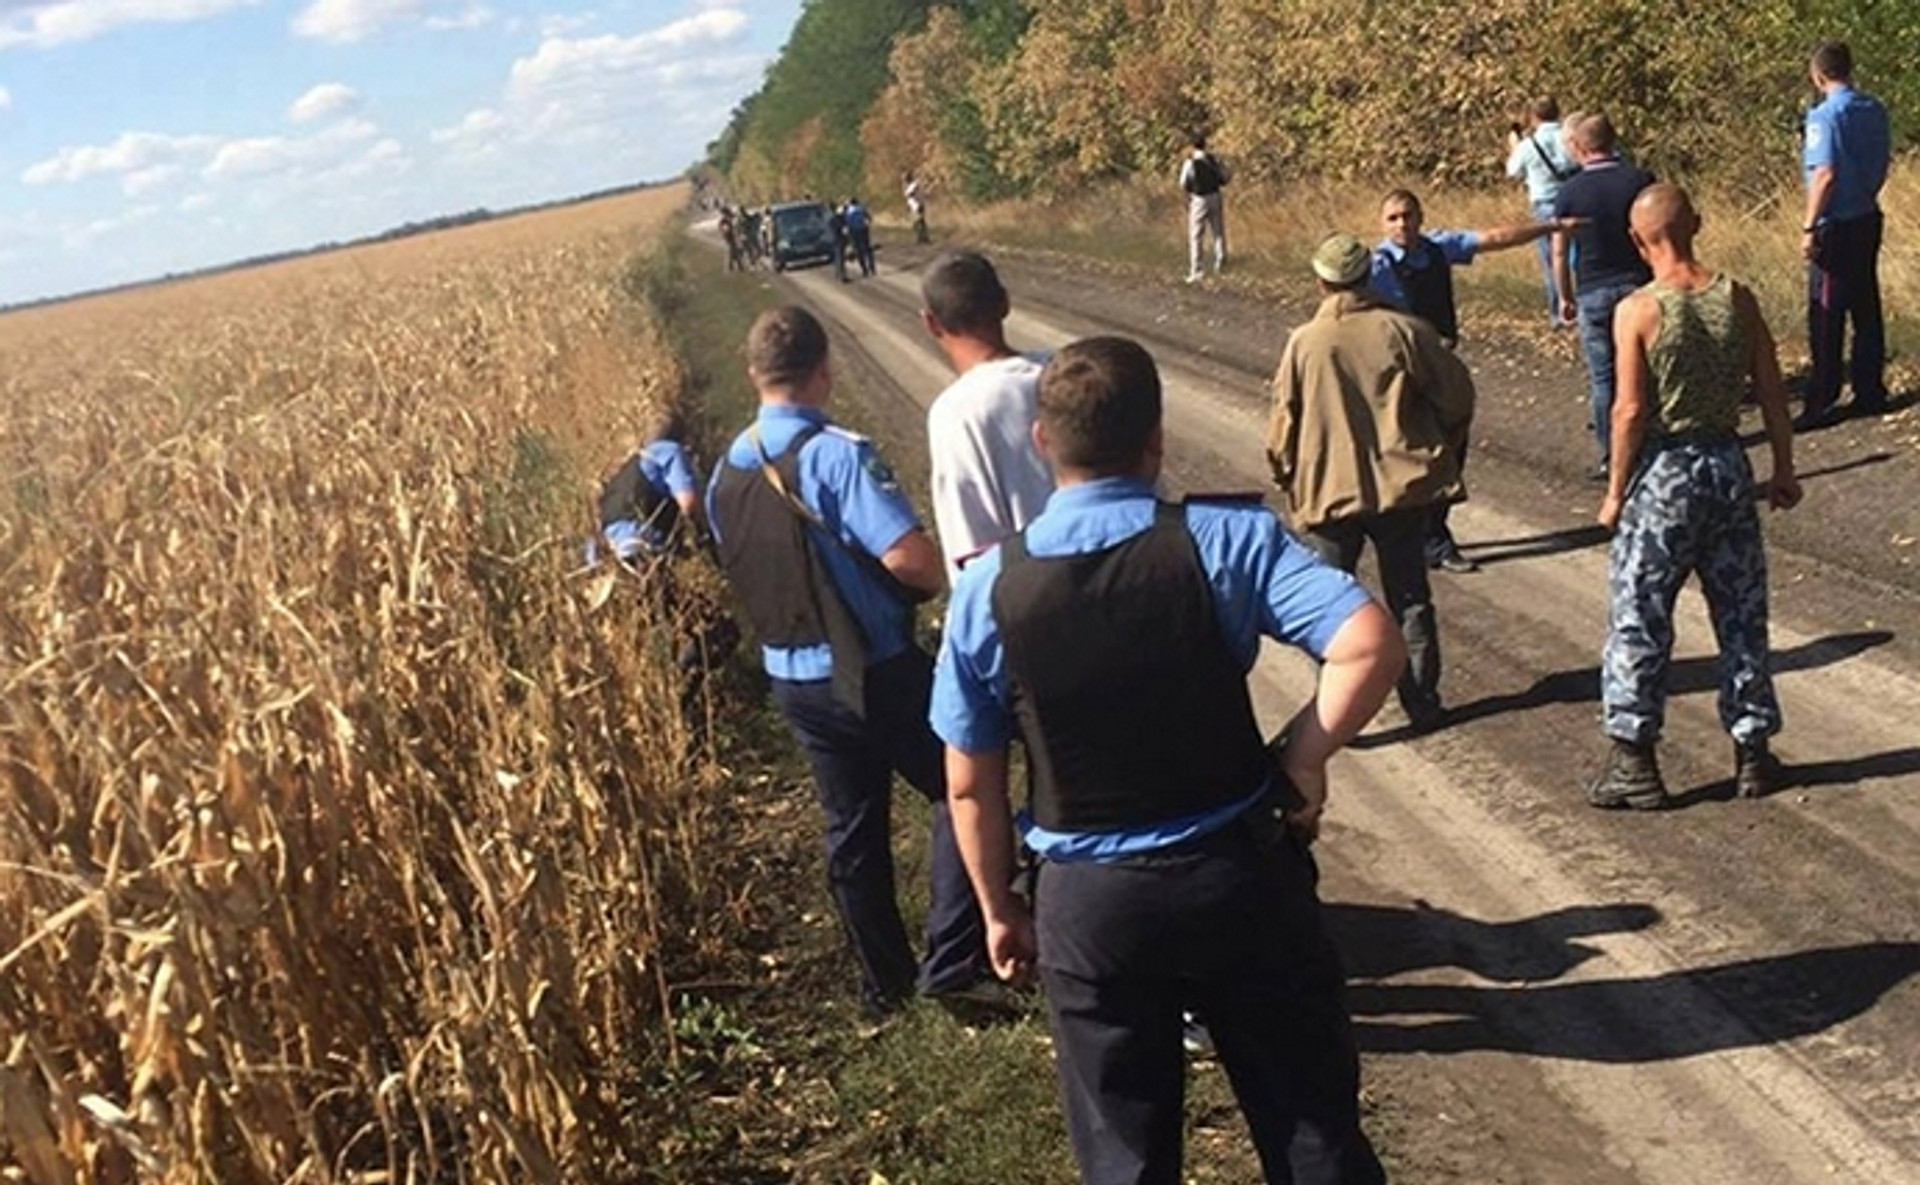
x,y
1159,867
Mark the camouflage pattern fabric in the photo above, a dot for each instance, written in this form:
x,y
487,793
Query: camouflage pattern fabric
x,y
1689,510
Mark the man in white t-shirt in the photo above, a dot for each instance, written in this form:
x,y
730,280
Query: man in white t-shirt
x,y
989,480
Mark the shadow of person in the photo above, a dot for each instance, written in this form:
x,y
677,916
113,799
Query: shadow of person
x,y
1381,941
1499,551
1813,775
1759,490
1685,676
1681,1014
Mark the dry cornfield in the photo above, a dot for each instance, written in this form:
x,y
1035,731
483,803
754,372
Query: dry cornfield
x,y
345,818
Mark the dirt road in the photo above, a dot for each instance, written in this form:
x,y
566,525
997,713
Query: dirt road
x,y
1725,994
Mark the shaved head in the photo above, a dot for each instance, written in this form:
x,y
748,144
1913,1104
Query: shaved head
x,y
1663,213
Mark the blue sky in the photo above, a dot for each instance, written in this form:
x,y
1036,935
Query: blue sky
x,y
139,137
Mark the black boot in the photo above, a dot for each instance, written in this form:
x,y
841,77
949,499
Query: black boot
x,y
1631,778
1755,772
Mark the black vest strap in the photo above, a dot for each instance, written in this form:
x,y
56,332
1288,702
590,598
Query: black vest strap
x,y
1132,707
1429,289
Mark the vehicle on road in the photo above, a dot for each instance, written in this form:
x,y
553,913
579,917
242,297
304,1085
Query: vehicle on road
x,y
802,233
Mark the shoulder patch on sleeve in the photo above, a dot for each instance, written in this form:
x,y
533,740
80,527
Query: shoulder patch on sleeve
x,y
844,434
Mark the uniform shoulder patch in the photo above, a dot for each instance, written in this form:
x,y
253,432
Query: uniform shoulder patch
x,y
844,434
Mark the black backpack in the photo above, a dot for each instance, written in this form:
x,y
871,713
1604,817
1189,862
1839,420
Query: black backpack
x,y
1205,176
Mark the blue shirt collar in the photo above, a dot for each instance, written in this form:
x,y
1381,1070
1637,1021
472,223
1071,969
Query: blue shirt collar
x,y
1394,251
1103,491
793,411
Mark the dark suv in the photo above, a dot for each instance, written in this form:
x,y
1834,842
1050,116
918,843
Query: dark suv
x,y
802,233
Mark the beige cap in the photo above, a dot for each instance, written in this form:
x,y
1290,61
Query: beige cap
x,y
1341,259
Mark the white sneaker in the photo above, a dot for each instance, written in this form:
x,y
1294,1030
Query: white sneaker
x,y
1194,277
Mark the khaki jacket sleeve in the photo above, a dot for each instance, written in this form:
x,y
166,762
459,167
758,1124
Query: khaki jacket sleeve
x,y
1447,383
1283,425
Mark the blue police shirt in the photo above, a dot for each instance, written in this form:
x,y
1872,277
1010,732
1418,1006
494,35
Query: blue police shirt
x,y
1264,582
845,483
1458,247
664,466
1848,133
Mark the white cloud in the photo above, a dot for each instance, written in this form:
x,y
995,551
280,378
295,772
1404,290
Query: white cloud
x,y
560,24
41,25
142,181
473,16
130,152
353,20
562,62
193,203
6,99
261,155
327,99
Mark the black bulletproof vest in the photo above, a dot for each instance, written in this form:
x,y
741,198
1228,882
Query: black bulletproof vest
x,y
628,496
771,561
1132,708
1429,289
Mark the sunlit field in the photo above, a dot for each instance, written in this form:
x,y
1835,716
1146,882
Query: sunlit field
x,y
342,811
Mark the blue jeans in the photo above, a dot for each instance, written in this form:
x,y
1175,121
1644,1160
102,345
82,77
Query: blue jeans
x,y
853,760
1596,338
1544,248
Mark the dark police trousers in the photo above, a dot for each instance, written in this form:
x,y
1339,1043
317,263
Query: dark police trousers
x,y
1227,926
1843,282
853,762
1399,543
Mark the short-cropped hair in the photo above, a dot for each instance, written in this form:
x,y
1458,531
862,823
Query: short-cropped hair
x,y
1595,133
1834,60
1546,109
785,346
963,292
1099,402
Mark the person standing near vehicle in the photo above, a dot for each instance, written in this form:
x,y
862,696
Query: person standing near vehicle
x,y
1113,636
828,559
837,227
1413,271
1681,502
1610,269
989,480
1370,420
1539,157
730,233
1848,145
916,206
1202,179
860,230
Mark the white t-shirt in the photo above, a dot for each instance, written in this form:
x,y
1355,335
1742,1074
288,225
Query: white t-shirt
x,y
989,480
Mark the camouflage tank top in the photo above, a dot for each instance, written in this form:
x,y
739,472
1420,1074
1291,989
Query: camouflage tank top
x,y
1698,360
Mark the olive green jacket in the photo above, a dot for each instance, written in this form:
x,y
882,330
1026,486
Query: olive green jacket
x,y
1370,414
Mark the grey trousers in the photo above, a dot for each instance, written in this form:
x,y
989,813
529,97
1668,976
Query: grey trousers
x,y
1399,540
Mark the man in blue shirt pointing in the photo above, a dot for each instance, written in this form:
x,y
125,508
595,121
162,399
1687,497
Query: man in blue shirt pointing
x,y
1845,157
1113,636
829,560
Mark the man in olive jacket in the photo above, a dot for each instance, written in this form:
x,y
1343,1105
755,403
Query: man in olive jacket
x,y
1370,416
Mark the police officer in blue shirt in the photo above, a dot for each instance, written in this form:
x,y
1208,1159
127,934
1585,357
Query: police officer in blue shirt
x,y
652,499
829,560
1848,145
1412,270
1113,636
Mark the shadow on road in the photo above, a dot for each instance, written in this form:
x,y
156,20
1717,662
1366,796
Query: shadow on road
x,y
1381,941
1499,551
1760,489
1815,775
1751,1003
1686,676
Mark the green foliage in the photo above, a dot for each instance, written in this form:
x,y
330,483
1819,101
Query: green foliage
x,y
991,98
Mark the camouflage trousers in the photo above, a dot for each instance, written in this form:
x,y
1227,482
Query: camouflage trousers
x,y
1689,509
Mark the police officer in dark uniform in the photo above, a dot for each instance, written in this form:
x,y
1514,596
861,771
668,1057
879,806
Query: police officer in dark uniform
x,y
829,560
1113,636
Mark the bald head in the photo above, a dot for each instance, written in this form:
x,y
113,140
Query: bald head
x,y
1594,134
1663,214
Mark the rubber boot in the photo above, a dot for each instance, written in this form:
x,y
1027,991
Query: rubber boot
x,y
1755,772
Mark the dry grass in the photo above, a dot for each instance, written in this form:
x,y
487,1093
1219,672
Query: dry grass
x,y
345,823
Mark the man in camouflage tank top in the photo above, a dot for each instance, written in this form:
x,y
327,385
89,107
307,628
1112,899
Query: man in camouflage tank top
x,y
1680,500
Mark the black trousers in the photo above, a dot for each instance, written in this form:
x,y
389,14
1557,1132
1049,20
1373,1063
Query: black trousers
x,y
853,759
1228,927
1843,283
1399,543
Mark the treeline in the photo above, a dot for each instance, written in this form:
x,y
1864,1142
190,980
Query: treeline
x,y
1005,98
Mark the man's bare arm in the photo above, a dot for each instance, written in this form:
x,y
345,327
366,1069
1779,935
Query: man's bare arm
x,y
983,830
1763,369
1819,191
915,562
1563,275
1635,322
1366,655
1500,238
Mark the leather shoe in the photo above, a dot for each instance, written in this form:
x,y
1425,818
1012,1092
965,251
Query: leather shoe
x,y
1813,420
1452,560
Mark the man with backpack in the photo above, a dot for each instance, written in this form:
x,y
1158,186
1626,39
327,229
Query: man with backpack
x,y
1539,156
860,231
1203,177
